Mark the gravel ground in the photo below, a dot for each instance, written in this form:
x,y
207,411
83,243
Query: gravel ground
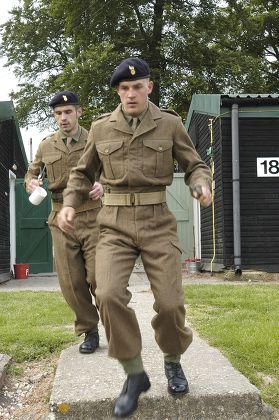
x,y
25,397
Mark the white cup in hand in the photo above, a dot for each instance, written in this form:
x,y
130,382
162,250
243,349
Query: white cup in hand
x,y
37,196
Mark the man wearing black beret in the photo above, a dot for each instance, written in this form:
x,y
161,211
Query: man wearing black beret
x,y
64,98
74,254
135,146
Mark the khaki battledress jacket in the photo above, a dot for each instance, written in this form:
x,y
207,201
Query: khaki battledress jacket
x,y
59,160
140,161
136,162
75,252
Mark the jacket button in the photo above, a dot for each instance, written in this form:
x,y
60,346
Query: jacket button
x,y
106,151
160,149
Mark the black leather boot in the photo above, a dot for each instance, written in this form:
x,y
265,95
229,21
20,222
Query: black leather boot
x,y
90,343
177,382
127,402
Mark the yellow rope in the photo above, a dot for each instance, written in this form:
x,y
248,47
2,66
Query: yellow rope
x,y
213,193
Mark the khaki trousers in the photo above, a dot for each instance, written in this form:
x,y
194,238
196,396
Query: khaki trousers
x,y
126,232
75,265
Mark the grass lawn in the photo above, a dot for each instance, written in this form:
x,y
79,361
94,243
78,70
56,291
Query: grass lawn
x,y
243,322
34,324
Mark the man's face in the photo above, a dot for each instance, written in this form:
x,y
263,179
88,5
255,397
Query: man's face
x,y
134,95
67,117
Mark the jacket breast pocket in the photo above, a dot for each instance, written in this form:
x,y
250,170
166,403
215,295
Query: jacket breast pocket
x,y
157,158
54,167
112,157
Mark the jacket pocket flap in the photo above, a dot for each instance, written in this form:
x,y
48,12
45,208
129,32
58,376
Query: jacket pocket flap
x,y
51,159
158,145
108,148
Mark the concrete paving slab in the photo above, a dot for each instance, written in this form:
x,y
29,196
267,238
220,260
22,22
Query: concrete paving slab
x,y
4,363
85,386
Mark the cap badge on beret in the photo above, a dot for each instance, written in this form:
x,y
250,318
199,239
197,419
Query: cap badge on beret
x,y
64,98
132,70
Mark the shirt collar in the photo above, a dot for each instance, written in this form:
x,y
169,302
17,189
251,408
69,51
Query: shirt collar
x,y
129,117
75,137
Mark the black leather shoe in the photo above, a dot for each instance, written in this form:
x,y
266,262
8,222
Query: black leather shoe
x,y
177,382
127,402
91,342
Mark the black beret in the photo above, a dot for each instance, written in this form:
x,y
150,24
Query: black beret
x,y
64,98
130,69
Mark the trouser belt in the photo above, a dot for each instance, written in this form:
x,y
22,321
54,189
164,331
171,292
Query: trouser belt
x,y
135,199
88,205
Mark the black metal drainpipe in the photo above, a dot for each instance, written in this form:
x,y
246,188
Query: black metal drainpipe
x,y
236,190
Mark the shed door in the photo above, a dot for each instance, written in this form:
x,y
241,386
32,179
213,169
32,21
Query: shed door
x,y
180,202
33,237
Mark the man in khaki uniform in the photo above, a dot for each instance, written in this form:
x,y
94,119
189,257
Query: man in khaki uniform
x,y
136,145
74,252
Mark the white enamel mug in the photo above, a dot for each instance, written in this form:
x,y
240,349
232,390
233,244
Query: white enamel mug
x,y
37,196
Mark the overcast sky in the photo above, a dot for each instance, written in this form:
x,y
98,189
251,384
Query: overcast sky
x,y
8,83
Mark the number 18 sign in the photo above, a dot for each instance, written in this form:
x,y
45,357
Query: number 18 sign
x,y
268,166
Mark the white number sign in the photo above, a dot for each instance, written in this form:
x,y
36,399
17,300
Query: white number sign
x,y
268,166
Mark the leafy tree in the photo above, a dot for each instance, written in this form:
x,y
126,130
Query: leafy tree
x,y
192,46
251,27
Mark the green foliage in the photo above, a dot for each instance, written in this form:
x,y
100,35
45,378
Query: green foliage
x,y
201,46
243,322
34,324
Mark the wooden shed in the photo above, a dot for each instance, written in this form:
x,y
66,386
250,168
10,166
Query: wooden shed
x,y
13,164
238,136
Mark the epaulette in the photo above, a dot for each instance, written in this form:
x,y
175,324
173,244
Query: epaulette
x,y
102,116
48,136
170,111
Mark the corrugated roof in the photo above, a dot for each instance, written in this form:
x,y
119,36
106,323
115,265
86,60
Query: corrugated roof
x,y
250,95
250,99
7,112
204,104
211,104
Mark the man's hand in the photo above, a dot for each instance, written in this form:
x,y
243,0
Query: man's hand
x,y
32,185
202,194
65,219
96,191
